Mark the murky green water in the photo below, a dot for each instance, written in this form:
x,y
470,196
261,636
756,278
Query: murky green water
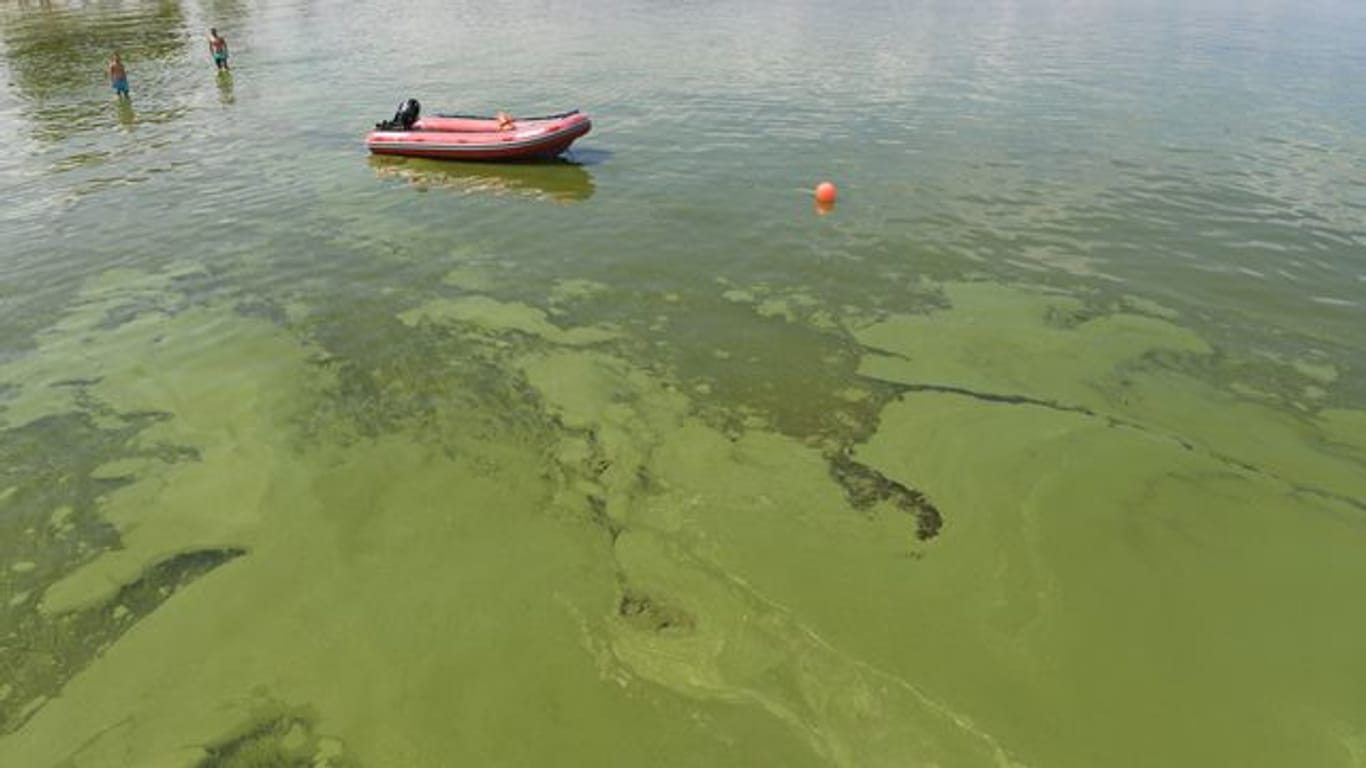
x,y
1046,447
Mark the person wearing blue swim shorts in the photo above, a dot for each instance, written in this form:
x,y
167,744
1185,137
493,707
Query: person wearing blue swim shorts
x,y
219,48
118,76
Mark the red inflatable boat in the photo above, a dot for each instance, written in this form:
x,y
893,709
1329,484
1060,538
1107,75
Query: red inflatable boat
x,y
460,137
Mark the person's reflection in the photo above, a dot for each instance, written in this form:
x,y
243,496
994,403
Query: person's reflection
x,y
225,94
125,113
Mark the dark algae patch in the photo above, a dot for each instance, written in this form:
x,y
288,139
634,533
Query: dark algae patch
x,y
41,653
649,613
49,528
282,741
865,487
430,380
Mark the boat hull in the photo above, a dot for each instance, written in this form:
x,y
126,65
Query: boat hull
x,y
478,138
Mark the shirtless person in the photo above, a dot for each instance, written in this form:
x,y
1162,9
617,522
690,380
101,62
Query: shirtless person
x,y
118,76
219,48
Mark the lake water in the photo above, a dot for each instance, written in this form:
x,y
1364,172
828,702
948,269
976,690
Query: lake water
x,y
1045,447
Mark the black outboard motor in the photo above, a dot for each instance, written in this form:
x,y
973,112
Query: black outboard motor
x,y
404,118
407,114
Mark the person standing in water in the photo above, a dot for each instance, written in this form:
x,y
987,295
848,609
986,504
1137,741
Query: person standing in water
x,y
118,76
219,48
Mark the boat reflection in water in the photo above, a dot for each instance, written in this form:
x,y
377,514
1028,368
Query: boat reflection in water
x,y
559,181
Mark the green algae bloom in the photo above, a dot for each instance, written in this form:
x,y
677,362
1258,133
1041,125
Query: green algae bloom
x,y
557,551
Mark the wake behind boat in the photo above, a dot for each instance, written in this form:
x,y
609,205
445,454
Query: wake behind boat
x,y
465,137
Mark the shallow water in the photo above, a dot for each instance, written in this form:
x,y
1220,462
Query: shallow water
x,y
1043,448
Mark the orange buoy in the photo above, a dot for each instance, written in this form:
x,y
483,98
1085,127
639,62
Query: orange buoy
x,y
826,193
